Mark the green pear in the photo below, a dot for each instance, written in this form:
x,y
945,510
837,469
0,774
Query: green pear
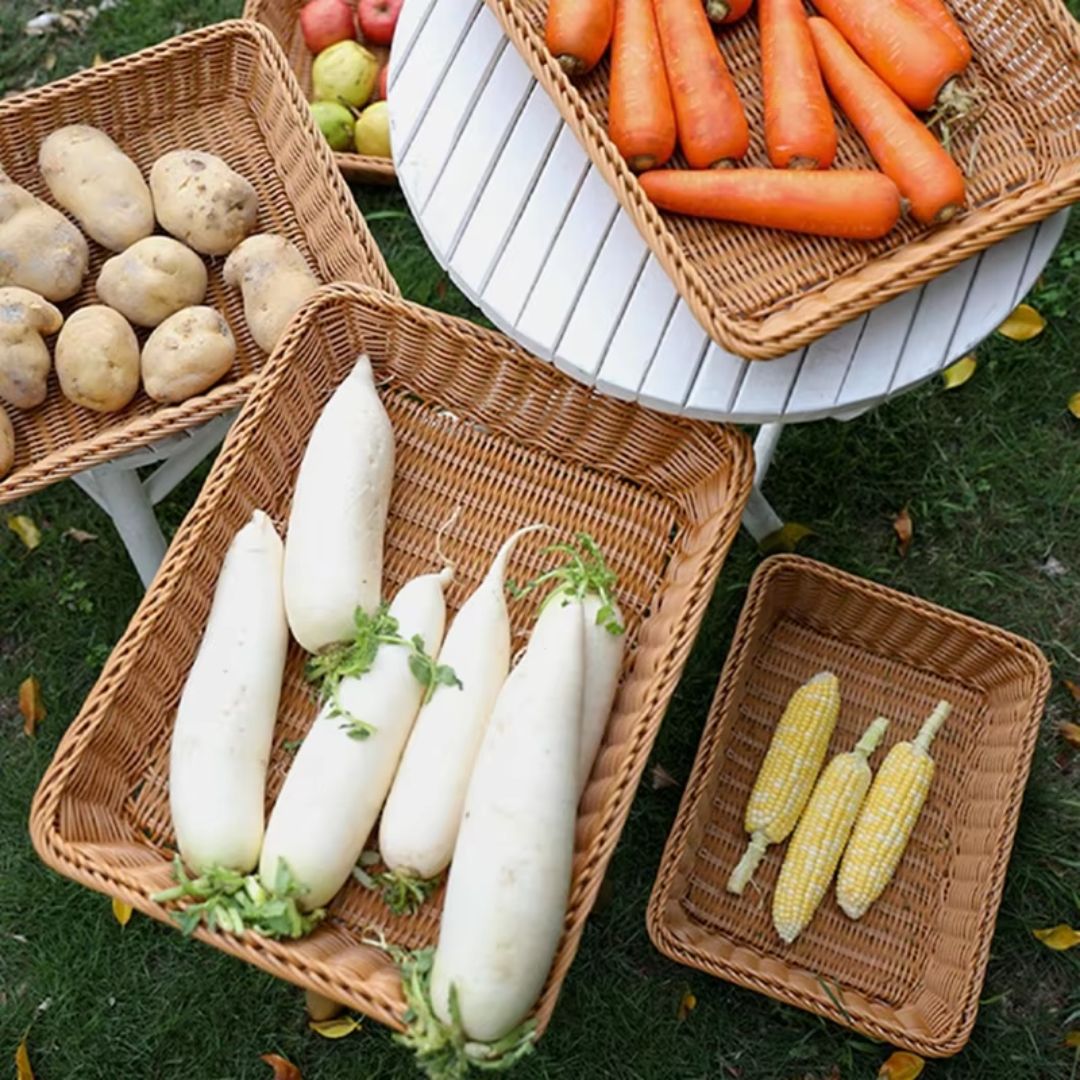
x,y
372,132
345,73
335,122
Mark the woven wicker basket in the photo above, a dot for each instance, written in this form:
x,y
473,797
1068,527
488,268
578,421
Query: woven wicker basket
x,y
910,970
282,19
483,429
226,89
761,293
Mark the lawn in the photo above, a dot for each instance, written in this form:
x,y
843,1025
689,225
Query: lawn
x,y
991,474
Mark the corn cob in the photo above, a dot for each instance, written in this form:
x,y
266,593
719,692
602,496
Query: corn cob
x,y
823,830
887,818
788,772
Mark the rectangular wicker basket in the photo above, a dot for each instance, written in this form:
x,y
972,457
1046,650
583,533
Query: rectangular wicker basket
x,y
282,19
226,89
910,970
761,293
488,439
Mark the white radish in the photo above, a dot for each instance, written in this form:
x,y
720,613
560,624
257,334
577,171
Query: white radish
x,y
420,820
338,781
225,723
334,542
510,879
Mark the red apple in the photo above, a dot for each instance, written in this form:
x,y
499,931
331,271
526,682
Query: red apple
x,y
377,19
325,23
380,85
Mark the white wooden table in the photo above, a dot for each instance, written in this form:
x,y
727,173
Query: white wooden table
x,y
512,207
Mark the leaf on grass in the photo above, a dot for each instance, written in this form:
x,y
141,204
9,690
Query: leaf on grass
x,y
1023,324
687,1004
23,1071
1073,688
1070,733
957,374
25,529
337,1028
283,1069
904,528
49,62
121,911
1074,404
660,778
787,538
30,704
901,1066
1053,568
1072,1039
80,536
98,60
1059,938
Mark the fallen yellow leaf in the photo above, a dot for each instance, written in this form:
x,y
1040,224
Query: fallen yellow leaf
x,y
80,536
901,1065
1070,733
30,704
22,1063
283,1069
25,529
1023,324
337,1028
121,911
904,528
1072,1039
320,1007
687,1005
1073,688
786,538
1059,938
98,60
1074,404
957,374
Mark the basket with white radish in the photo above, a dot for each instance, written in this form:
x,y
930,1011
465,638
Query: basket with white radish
x,y
409,653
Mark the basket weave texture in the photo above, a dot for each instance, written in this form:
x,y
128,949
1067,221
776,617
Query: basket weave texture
x,y
225,89
761,293
282,19
908,972
488,439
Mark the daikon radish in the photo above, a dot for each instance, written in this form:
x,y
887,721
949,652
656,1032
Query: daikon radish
x,y
344,767
510,879
423,811
225,722
334,542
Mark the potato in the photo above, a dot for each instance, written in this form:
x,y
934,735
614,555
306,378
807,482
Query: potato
x,y
153,279
97,359
24,357
274,279
40,249
201,201
186,354
7,444
98,184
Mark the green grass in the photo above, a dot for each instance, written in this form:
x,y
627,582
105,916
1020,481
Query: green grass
x,y
992,475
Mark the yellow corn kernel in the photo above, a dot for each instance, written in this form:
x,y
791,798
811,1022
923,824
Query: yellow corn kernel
x,y
822,832
789,770
888,816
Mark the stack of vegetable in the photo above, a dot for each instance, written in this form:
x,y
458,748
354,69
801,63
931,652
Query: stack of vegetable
x,y
879,59
474,766
152,282
839,818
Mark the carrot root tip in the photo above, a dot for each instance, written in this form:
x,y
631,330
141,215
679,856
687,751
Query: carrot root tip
x,y
802,162
946,213
717,10
571,65
723,163
642,162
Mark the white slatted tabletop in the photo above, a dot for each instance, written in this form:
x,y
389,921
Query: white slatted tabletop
x,y
511,206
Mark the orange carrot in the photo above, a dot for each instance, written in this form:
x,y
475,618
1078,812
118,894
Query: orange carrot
x,y
709,116
936,12
858,203
902,145
799,128
578,32
641,119
726,11
911,54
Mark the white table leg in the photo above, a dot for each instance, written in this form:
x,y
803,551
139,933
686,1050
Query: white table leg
x,y
759,519
167,475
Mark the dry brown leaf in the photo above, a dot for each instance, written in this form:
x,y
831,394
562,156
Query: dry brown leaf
x,y
98,60
1072,1039
30,704
23,1071
904,528
660,778
337,1028
1070,733
1023,324
1059,938
901,1065
687,1004
1074,405
25,529
121,911
957,374
787,538
80,536
1073,688
283,1069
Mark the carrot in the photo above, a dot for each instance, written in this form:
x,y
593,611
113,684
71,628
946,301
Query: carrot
x,y
799,128
911,54
726,11
936,12
709,116
641,119
578,32
858,203
902,145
